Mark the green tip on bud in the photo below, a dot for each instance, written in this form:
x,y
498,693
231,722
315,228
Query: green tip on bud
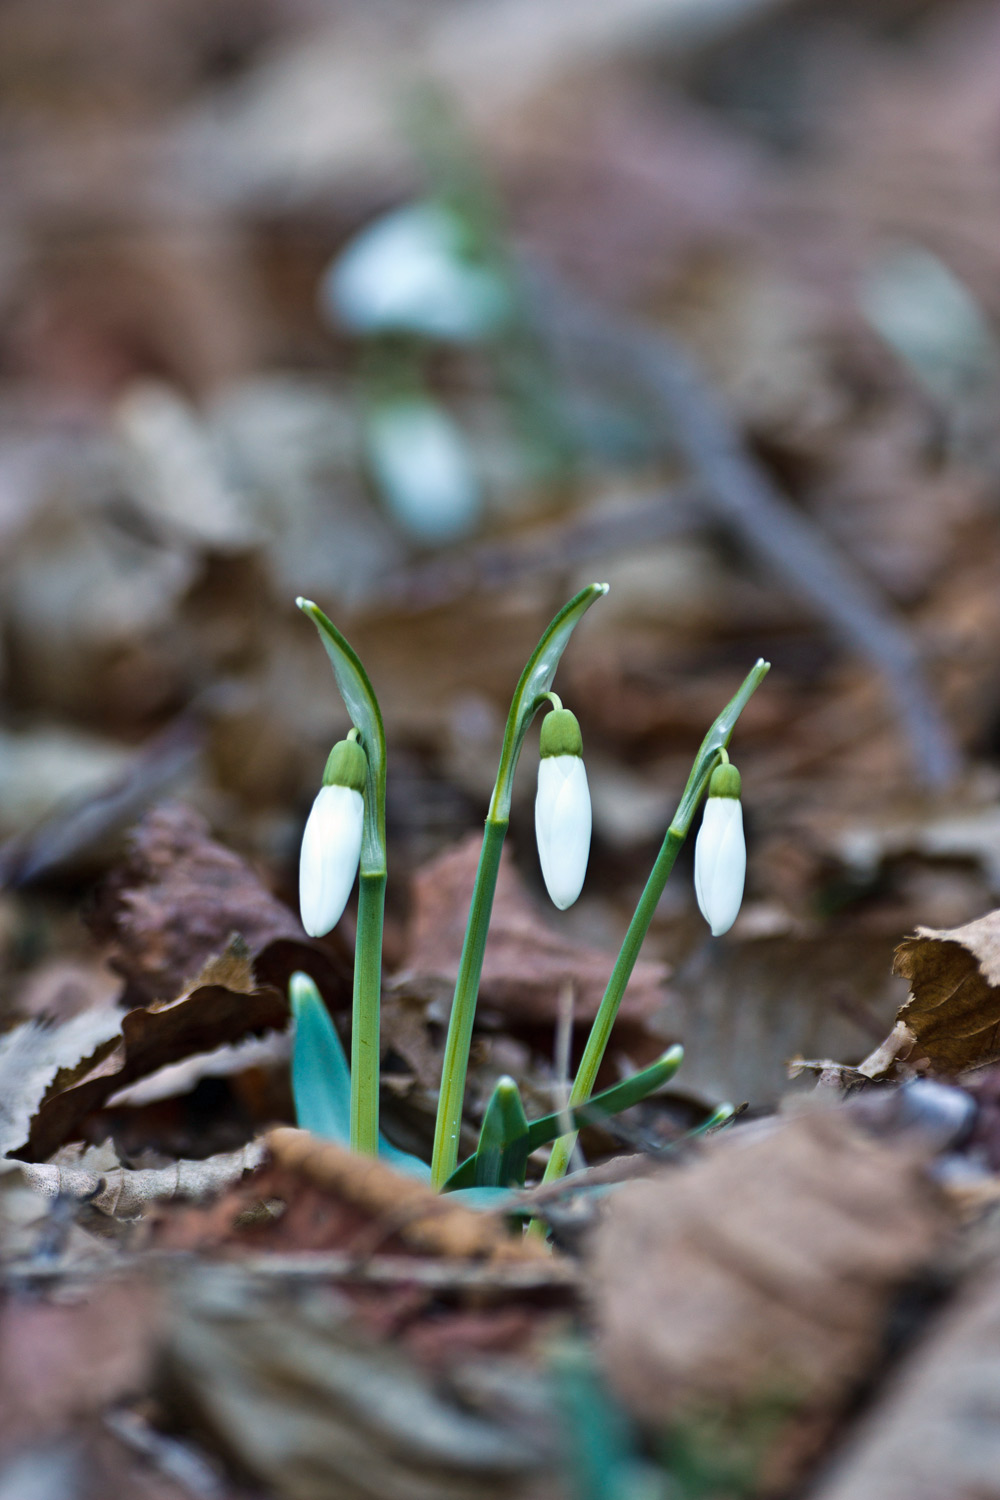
x,y
347,765
560,734
725,782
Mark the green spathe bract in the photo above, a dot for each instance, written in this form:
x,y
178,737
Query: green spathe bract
x,y
362,705
347,766
535,682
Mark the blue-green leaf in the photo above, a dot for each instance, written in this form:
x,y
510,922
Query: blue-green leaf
x,y
507,1140
362,705
502,1154
321,1077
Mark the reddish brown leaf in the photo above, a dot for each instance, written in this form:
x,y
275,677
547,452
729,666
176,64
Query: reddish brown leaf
x,y
763,1272
150,1039
176,902
527,963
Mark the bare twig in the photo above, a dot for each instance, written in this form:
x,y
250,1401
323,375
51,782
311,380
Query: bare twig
x,y
623,355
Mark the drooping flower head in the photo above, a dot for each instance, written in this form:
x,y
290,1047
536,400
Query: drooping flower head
x,y
562,807
331,842
720,853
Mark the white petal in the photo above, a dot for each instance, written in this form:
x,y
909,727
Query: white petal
x,y
720,863
407,271
331,849
421,461
562,826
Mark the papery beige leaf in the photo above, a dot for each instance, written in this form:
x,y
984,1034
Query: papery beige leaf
x,y
951,1020
763,1272
35,1058
125,1192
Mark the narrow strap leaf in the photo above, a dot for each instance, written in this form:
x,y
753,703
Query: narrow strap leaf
x,y
321,1079
507,1140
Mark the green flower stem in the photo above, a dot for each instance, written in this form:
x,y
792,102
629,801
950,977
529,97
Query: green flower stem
x,y
365,1018
713,748
463,1010
529,695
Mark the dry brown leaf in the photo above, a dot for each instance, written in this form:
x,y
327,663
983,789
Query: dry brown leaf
x,y
403,1207
35,1059
147,1040
763,1271
951,1020
125,1192
316,1406
178,899
527,963
935,1435
336,1199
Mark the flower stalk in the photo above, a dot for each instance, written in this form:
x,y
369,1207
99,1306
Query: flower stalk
x,y
708,757
534,684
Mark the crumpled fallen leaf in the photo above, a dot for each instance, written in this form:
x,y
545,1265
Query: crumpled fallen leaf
x,y
35,1058
527,965
124,1192
225,1008
762,1272
177,900
936,1431
335,1197
951,1020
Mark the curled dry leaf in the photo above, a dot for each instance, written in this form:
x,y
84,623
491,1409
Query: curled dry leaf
x,y
951,1020
36,1059
936,1432
126,1192
763,1272
336,1199
527,965
397,1206
145,1040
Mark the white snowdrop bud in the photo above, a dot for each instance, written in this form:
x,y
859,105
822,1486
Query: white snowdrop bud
x,y
420,461
331,842
562,808
410,272
720,853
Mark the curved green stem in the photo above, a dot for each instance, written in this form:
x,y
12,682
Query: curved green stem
x,y
463,1009
532,688
366,1015
711,751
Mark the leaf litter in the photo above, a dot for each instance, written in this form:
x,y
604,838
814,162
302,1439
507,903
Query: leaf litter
x,y
785,1255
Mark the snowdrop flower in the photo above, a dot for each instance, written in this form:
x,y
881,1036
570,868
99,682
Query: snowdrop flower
x,y
562,807
419,459
720,853
409,272
331,843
